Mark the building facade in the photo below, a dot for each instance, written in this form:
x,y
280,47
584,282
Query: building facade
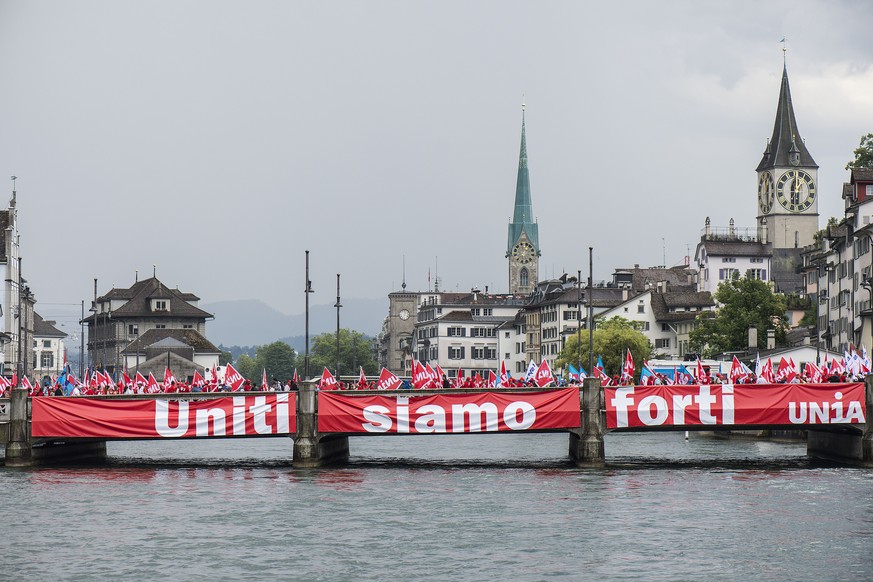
x,y
49,350
126,323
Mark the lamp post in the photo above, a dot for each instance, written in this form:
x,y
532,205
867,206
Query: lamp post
x,y
817,316
82,343
337,305
590,310
307,291
579,321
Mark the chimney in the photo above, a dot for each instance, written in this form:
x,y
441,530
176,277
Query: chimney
x,y
771,339
706,228
624,293
753,338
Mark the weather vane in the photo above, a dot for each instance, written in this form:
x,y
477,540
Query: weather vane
x,y
13,182
784,49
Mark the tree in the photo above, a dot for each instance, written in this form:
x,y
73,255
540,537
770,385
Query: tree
x,y
278,359
745,303
247,367
355,350
225,358
863,154
612,339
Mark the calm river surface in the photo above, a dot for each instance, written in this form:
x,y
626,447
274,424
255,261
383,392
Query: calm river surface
x,y
471,507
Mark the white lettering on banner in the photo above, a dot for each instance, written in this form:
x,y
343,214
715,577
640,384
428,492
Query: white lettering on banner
x,y
826,412
162,419
431,418
654,410
213,421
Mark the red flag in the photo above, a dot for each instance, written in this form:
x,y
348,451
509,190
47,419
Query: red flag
x,y
296,380
492,379
504,377
197,380
214,376
440,375
388,381
701,375
152,385
737,371
627,371
168,377
140,379
767,372
25,383
543,376
433,379
125,379
362,379
264,385
327,382
420,377
459,380
14,379
233,378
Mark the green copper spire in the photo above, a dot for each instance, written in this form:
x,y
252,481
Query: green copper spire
x,y
522,217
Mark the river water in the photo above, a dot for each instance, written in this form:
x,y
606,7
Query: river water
x,y
456,507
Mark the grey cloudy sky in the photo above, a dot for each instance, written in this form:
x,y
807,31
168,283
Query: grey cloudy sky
x,y
220,139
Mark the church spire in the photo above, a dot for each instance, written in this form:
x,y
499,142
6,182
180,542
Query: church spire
x,y
522,216
786,148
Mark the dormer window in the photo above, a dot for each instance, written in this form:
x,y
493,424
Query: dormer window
x,y
160,305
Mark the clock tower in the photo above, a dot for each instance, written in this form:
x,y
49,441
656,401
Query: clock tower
x,y
523,244
787,182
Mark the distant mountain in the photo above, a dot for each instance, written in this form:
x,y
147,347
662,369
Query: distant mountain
x,y
250,322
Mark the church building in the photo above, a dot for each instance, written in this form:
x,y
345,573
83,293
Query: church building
x,y
523,244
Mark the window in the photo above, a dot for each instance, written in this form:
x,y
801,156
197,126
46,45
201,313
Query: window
x,y
488,311
456,332
47,344
726,274
477,353
641,308
456,353
665,327
475,312
645,326
756,260
662,343
47,360
760,274
869,190
161,326
132,330
506,356
523,278
160,305
729,260
187,326
506,334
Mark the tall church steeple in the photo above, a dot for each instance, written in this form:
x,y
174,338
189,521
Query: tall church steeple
x,y
787,181
523,242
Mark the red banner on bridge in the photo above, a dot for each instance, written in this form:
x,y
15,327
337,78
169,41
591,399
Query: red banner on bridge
x,y
269,414
739,404
449,413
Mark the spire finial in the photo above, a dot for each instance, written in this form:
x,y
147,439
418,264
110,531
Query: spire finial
x,y
784,50
522,103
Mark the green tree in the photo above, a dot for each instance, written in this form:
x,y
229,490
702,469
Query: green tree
x,y
225,358
278,359
863,153
744,303
612,338
247,367
355,349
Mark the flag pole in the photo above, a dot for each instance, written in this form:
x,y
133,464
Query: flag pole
x,y
590,312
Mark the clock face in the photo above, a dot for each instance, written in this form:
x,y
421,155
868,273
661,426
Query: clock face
x,y
523,252
404,314
765,192
795,190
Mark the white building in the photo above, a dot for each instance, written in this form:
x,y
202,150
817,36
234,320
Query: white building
x,y
49,351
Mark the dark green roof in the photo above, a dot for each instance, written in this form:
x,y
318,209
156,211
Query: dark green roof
x,y
785,136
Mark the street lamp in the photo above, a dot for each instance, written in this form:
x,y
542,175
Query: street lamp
x,y
337,305
307,291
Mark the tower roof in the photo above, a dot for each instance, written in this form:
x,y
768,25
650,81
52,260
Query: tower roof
x,y
522,216
786,137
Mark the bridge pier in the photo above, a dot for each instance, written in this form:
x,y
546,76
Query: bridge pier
x,y
586,443
310,448
19,452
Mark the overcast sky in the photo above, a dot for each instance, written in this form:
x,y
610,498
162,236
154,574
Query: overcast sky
x,y
219,140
